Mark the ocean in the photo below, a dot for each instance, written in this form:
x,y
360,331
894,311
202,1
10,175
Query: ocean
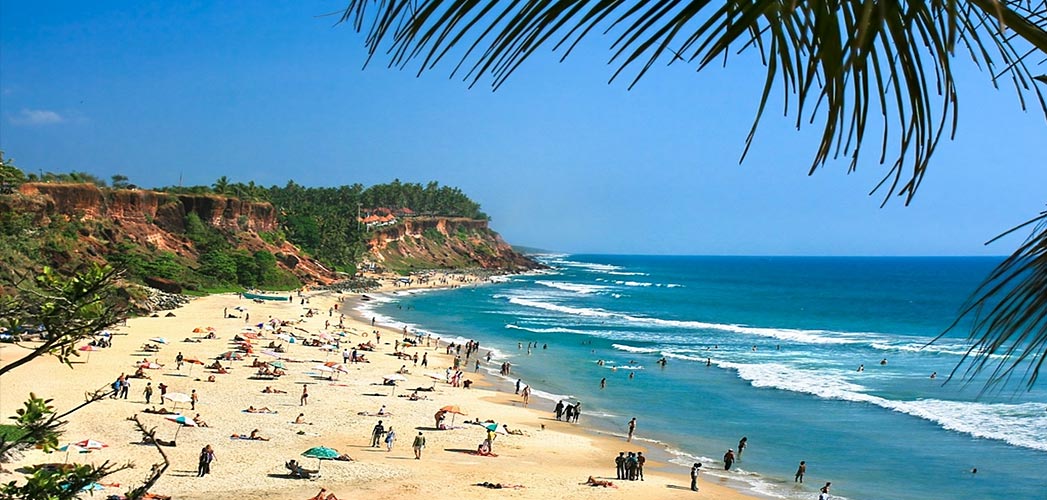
x,y
820,359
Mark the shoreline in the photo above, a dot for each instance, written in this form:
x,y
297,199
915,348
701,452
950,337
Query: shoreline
x,y
546,462
600,428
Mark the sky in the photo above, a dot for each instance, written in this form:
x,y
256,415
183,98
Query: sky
x,y
169,92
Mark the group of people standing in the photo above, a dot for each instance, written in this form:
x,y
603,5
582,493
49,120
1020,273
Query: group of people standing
x,y
568,412
630,467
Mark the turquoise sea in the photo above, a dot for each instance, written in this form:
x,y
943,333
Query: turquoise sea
x,y
767,348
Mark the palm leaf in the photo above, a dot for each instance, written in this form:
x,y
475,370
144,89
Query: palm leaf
x,y
848,64
1008,314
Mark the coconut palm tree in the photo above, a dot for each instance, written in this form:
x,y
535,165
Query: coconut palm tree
x,y
874,71
221,185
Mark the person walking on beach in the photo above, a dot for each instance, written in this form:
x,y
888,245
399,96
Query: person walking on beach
x,y
206,457
193,399
390,438
518,382
741,447
632,430
728,459
148,392
824,494
619,464
305,396
425,359
418,445
558,410
800,471
526,393
640,460
577,412
694,476
179,360
376,434
163,391
125,387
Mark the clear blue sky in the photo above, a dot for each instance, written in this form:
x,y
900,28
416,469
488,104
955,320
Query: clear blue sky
x,y
561,160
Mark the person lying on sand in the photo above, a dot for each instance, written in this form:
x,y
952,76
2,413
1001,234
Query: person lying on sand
x,y
592,481
515,432
498,486
270,390
161,411
194,341
344,457
264,409
253,436
323,495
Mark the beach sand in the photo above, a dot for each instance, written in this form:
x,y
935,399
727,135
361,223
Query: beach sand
x,y
548,462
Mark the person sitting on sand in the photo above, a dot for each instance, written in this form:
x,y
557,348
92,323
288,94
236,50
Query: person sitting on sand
x,y
199,421
257,363
210,378
300,419
222,371
515,432
140,373
217,365
414,396
592,481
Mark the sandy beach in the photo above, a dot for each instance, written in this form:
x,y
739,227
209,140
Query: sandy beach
x,y
550,459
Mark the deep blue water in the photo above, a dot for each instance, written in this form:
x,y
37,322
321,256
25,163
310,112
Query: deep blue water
x,y
783,338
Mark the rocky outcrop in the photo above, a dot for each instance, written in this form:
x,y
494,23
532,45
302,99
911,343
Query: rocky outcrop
x,y
446,242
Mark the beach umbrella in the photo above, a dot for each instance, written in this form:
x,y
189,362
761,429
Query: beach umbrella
x,y
192,361
273,354
178,397
453,410
105,333
93,487
90,444
321,453
278,364
182,421
496,428
89,349
159,340
325,369
394,378
198,330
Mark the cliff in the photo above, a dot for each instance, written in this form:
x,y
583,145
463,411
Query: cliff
x,y
156,221
447,242
146,231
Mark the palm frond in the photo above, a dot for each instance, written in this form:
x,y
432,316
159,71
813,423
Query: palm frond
x,y
850,65
1008,314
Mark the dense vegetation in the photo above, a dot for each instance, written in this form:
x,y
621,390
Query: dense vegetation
x,y
323,222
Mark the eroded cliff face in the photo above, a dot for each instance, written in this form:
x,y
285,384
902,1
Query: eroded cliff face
x,y
421,242
157,220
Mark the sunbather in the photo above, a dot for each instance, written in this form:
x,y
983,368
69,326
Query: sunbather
x,y
253,436
270,390
264,409
592,481
323,495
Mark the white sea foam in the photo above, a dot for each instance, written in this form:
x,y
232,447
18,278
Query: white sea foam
x,y
573,287
589,266
794,335
1022,424
626,273
633,283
